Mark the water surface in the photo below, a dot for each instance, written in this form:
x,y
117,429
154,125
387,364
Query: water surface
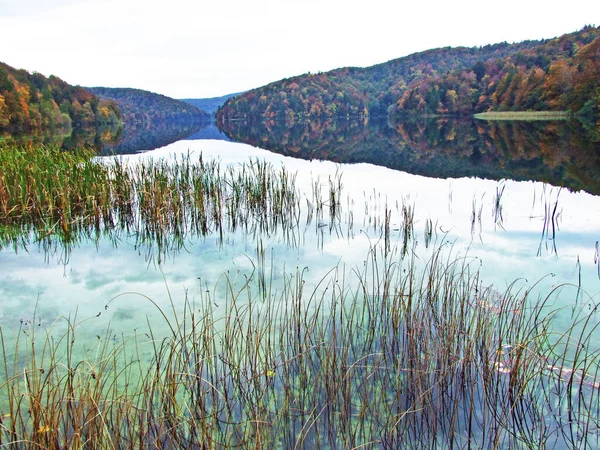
x,y
512,231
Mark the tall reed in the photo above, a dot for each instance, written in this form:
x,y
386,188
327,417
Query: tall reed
x,y
70,195
394,354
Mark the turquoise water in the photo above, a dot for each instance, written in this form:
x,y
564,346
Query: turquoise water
x,y
514,232
522,238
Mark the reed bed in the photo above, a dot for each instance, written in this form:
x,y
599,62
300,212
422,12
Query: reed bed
x,y
392,355
397,353
68,196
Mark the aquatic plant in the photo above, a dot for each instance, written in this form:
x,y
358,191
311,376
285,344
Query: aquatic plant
x,y
67,196
393,354
398,352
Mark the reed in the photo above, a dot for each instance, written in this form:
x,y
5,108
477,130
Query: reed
x,y
49,195
399,352
394,354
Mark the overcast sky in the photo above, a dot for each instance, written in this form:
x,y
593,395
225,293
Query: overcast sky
x,y
185,48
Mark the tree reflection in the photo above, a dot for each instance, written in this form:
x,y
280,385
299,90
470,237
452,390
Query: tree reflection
x,y
561,153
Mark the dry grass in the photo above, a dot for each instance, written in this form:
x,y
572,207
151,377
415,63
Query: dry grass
x,y
68,196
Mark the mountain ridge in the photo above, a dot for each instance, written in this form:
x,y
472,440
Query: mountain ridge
x,y
33,103
209,105
144,107
431,77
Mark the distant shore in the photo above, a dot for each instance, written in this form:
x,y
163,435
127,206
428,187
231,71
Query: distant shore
x,y
524,115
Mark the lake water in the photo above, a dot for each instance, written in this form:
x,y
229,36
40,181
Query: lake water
x,y
522,237
514,231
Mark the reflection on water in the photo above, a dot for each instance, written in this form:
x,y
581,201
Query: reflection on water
x,y
356,227
95,138
144,137
518,230
131,138
560,153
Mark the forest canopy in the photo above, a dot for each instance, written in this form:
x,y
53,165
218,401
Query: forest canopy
x,y
561,74
140,107
32,103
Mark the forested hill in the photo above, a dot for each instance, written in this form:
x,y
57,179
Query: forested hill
x,y
556,74
209,105
140,107
33,103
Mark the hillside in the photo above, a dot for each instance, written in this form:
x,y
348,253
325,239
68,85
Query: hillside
x,y
560,73
142,107
32,103
209,105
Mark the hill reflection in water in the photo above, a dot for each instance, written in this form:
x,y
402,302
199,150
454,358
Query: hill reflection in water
x,y
562,153
141,138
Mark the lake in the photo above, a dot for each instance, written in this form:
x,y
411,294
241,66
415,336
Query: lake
x,y
518,229
515,203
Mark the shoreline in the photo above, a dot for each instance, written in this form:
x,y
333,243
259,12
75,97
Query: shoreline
x,y
524,115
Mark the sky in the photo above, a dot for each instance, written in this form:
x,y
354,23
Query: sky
x,y
201,49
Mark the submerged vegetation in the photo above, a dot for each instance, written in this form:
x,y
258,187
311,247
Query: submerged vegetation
x,y
403,351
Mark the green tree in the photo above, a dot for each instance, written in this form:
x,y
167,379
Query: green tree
x,y
479,70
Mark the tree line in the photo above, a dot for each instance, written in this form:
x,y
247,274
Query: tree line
x,y
31,103
553,74
560,75
139,107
